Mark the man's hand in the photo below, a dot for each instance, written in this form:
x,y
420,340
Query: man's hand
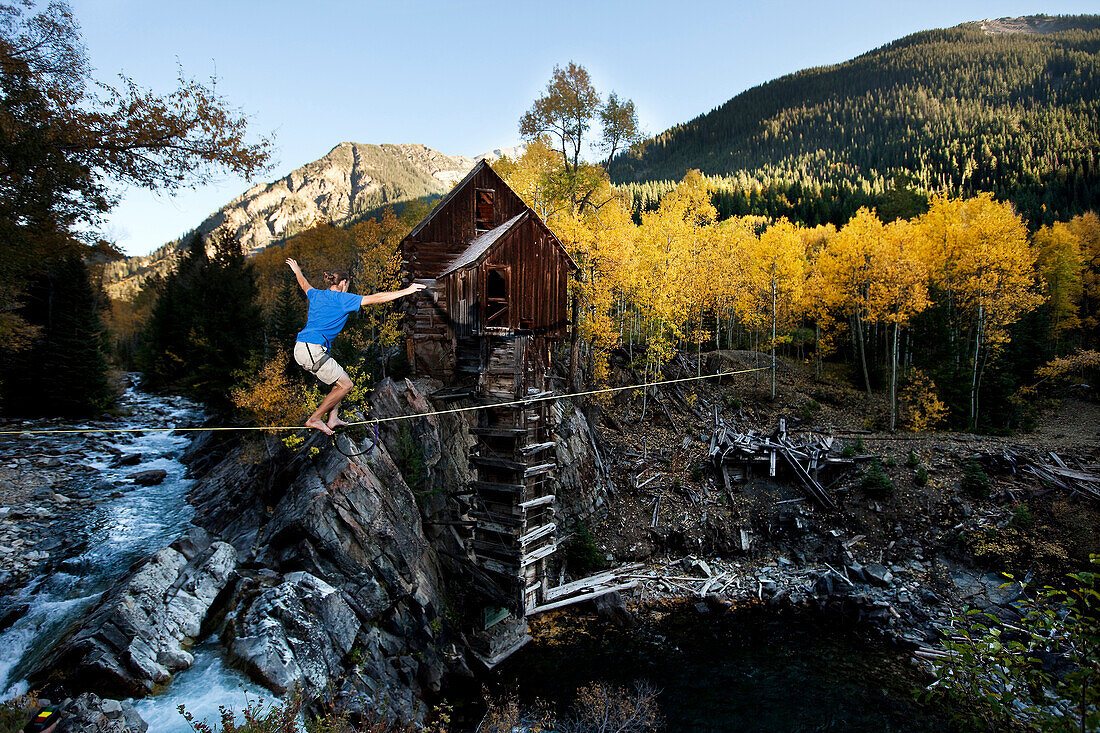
x,y
302,282
415,288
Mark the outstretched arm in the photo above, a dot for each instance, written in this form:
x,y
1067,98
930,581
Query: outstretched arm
x,y
306,287
376,298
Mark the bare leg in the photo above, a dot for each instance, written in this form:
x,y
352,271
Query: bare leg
x,y
315,421
334,420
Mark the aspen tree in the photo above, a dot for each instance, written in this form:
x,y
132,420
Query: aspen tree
x,y
978,252
898,290
1058,255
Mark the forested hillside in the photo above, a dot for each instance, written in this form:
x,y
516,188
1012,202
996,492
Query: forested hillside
x,y
979,107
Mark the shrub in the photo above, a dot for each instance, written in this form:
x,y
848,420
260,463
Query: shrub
x,y
697,472
911,460
921,477
922,405
269,397
875,481
1044,675
854,449
1022,516
15,713
975,482
581,551
280,717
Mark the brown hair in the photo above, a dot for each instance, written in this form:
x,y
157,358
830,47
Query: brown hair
x,y
335,277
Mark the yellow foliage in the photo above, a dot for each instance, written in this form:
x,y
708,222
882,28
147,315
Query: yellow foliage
x,y
1063,367
1058,255
1087,230
269,397
922,404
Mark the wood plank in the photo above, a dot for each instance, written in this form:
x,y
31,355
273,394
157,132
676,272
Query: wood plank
x,y
539,554
536,448
497,486
536,470
537,533
577,585
500,432
583,597
540,501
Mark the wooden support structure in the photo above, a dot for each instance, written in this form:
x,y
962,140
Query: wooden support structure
x,y
513,504
497,281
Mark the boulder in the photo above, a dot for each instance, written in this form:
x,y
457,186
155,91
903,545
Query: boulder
x,y
136,637
877,574
297,633
149,478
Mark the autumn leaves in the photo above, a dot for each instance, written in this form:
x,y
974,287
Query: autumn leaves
x,y
680,278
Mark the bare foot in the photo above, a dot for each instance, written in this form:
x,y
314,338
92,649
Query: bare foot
x,y
318,425
335,422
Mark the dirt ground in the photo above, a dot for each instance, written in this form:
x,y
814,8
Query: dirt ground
x,y
671,502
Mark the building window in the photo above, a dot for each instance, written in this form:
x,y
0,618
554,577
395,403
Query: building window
x,y
496,296
483,208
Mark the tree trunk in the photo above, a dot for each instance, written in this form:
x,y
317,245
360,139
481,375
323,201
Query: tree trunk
x,y
773,338
894,381
574,342
817,350
974,371
863,353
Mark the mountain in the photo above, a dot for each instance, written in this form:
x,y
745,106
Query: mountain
x,y
1010,106
350,182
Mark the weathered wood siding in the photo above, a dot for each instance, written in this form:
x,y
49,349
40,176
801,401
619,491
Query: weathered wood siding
x,y
441,323
538,279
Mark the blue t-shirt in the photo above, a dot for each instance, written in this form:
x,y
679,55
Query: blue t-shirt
x,y
328,312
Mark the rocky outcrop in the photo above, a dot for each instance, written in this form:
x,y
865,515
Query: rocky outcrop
x,y
139,633
88,713
297,633
331,571
582,479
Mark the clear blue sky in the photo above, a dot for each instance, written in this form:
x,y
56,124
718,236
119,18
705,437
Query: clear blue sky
x,y
457,75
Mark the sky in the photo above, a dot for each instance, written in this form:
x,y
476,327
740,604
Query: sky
x,y
457,75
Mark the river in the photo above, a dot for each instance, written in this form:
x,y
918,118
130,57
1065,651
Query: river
x,y
749,669
111,536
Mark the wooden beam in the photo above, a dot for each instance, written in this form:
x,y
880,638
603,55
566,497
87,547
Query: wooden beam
x,y
537,533
583,597
549,498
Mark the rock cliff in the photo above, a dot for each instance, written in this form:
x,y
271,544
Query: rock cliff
x,y
340,568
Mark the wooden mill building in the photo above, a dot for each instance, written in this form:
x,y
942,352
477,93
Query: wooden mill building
x,y
496,300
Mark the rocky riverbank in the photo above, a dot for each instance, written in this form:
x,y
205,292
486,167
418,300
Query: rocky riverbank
x,y
335,568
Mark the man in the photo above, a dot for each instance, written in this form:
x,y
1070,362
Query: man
x,y
328,312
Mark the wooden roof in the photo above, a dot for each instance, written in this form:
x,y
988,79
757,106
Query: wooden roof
x,y
481,245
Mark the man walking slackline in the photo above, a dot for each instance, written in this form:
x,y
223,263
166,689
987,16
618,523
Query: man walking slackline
x,y
328,312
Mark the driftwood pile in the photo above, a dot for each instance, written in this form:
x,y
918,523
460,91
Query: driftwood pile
x,y
736,455
1078,479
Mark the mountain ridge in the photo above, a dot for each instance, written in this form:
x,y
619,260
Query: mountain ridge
x,y
347,183
1007,105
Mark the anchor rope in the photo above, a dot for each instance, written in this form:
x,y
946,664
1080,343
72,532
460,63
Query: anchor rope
x,y
380,420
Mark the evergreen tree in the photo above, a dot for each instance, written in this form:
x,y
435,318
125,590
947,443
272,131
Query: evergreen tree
x,y
205,325
64,371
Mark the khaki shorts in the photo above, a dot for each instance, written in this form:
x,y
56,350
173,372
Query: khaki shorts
x,y
309,356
